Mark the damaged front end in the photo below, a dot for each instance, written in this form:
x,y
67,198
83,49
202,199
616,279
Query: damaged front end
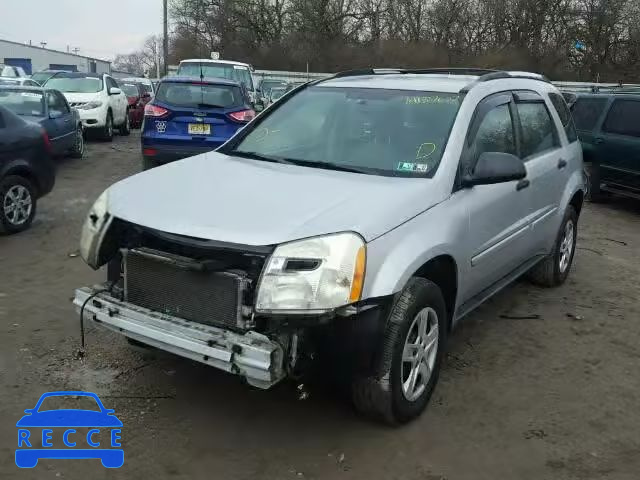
x,y
260,312
187,296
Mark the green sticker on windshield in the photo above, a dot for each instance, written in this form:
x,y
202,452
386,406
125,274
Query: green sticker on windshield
x,y
430,100
412,167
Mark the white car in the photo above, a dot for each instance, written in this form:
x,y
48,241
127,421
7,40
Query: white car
x,y
20,81
101,103
238,71
11,71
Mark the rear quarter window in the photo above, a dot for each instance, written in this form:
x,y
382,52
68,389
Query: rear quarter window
x,y
623,118
587,111
560,105
194,95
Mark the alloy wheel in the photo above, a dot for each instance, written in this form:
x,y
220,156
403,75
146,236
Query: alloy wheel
x,y
17,205
566,246
419,354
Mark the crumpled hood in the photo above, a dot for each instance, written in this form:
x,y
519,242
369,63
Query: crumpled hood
x,y
218,197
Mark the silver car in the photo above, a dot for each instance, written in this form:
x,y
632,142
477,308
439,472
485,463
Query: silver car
x,y
354,223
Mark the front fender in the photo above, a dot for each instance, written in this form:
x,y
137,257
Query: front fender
x,y
393,258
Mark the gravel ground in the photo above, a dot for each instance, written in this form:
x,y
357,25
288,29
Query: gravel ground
x,y
550,397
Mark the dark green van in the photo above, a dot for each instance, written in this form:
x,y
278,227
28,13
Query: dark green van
x,y
608,126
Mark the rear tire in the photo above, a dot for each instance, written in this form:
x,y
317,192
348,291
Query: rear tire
x,y
592,183
125,128
410,356
17,204
78,148
554,269
107,131
148,163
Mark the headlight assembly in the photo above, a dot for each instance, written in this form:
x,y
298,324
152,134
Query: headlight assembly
x,y
93,230
314,275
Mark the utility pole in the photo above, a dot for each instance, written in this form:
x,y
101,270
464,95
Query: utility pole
x,y
75,50
165,38
157,59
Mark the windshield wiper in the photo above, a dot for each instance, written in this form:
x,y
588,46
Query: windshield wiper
x,y
259,156
300,162
331,166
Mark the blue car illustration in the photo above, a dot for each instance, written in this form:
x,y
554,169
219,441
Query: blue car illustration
x,y
40,446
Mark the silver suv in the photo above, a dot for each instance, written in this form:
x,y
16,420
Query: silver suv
x,y
353,223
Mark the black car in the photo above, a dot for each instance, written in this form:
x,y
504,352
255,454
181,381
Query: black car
x,y
50,109
608,126
27,171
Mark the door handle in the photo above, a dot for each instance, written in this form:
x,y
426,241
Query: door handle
x,y
562,163
522,184
599,140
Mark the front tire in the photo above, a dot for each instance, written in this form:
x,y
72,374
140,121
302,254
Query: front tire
x,y
107,132
17,204
125,128
410,357
554,269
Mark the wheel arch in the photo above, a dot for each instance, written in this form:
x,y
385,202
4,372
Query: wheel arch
x,y
24,171
443,271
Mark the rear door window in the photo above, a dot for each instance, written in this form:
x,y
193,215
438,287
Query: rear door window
x,y
587,111
565,116
539,133
192,95
623,118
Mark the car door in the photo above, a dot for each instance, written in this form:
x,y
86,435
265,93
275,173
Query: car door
x,y
587,112
122,101
116,101
618,145
498,239
547,163
60,119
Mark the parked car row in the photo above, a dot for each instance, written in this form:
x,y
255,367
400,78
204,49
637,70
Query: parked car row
x,y
608,125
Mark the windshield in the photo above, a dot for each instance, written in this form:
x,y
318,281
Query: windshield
x,y
276,93
388,132
130,89
268,85
23,103
194,95
42,77
239,73
146,88
76,84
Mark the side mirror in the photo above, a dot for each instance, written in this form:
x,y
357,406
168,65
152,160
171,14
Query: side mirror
x,y
114,91
495,167
53,114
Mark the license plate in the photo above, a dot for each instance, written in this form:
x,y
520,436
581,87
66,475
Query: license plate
x,y
199,129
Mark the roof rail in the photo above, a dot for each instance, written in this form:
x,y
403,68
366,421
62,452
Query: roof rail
x,y
499,75
425,71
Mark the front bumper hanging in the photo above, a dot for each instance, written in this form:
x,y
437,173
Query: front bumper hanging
x,y
251,355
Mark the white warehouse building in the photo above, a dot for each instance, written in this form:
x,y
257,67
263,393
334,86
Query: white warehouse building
x,y
33,59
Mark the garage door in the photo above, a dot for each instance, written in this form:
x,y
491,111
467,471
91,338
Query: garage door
x,y
24,63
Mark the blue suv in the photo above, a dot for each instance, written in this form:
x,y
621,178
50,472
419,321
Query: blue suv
x,y
189,116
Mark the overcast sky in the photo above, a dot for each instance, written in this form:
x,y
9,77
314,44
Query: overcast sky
x,y
99,28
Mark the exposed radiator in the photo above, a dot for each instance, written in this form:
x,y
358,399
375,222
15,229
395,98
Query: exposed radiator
x,y
183,287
